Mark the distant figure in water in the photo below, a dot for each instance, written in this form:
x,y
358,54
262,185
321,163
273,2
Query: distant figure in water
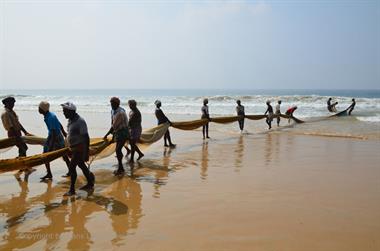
x,y
278,112
351,107
290,112
162,119
240,112
79,143
55,139
119,130
331,106
205,115
134,124
270,114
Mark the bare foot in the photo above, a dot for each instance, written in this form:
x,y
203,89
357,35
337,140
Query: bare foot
x,y
140,156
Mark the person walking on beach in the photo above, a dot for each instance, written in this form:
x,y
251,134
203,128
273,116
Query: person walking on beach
x,y
351,107
278,112
162,119
134,124
240,112
290,112
205,115
13,126
331,106
79,142
270,114
55,139
119,130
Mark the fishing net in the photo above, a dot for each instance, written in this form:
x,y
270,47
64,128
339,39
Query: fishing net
x,y
101,148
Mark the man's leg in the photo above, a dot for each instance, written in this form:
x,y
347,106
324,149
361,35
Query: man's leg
x,y
89,176
67,161
119,155
73,174
169,139
22,148
166,138
48,175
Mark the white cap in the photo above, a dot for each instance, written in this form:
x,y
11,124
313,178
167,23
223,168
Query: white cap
x,y
69,106
44,106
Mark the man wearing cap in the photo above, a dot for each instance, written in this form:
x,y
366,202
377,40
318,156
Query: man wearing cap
x,y
55,139
119,129
162,119
79,142
13,126
270,114
240,112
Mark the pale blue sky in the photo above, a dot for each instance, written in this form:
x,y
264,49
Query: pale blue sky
x,y
184,44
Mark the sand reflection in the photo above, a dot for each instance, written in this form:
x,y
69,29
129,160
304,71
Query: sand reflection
x,y
239,151
204,161
50,221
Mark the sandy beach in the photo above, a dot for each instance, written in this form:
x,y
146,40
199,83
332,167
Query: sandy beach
x,y
257,191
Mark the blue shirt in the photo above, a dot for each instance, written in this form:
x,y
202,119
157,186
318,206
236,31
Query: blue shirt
x,y
52,123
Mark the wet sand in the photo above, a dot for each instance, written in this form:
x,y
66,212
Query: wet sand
x,y
268,191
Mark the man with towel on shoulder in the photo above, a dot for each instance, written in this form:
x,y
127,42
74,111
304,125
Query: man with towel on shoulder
x,y
119,130
79,142
55,139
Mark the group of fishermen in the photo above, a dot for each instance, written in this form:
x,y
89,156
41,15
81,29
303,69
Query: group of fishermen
x,y
78,139
123,128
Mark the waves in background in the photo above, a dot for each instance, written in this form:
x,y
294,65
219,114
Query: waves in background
x,y
311,103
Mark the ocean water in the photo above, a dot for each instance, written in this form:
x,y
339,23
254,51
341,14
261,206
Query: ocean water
x,y
187,103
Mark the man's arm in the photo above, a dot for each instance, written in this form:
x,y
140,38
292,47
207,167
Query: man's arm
x,y
63,130
108,133
24,131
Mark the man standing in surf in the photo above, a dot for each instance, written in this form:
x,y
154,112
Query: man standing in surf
x,y
270,114
240,112
331,106
278,112
205,115
351,107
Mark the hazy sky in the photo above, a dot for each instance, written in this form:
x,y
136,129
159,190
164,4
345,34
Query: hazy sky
x,y
184,44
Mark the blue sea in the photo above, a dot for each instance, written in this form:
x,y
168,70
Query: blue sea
x,y
311,103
